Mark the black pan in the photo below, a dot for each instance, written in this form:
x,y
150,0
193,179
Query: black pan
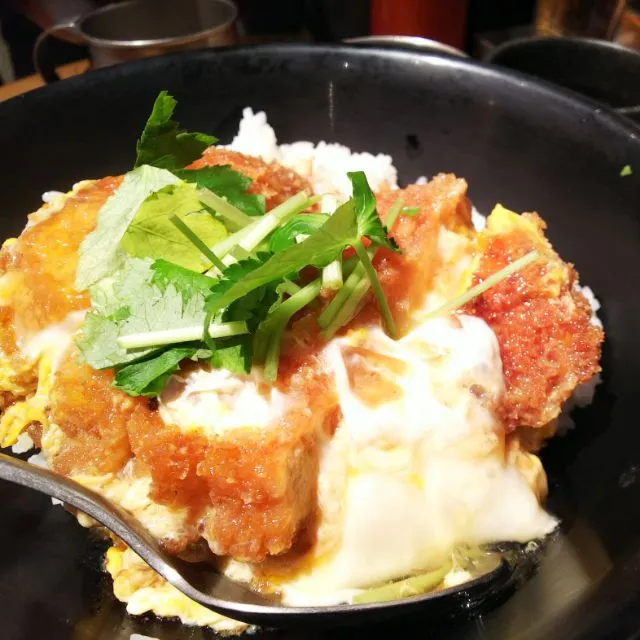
x,y
525,145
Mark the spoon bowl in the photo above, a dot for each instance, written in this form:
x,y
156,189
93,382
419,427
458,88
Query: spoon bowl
x,y
214,590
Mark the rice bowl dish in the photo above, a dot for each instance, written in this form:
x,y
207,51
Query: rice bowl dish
x,y
371,456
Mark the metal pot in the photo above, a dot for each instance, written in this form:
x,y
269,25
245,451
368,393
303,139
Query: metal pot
x,y
142,29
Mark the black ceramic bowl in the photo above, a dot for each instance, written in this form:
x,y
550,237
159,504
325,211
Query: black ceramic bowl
x,y
527,146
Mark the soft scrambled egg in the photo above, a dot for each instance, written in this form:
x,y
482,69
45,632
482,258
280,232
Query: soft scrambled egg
x,y
43,351
135,583
403,483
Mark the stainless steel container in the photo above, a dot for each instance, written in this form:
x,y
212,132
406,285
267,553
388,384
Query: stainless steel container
x,y
142,28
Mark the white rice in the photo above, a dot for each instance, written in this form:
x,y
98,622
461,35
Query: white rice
x,y
324,164
23,444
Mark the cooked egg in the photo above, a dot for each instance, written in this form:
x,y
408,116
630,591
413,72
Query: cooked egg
x,y
135,583
215,400
403,483
131,492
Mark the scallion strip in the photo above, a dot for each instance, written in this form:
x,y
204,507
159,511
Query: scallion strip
x,y
224,208
347,301
483,286
406,588
197,242
351,305
332,275
387,316
184,334
289,287
262,227
250,237
228,244
328,315
269,335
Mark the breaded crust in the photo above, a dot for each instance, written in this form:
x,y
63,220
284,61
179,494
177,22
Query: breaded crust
x,y
543,323
408,276
250,489
275,182
46,256
93,417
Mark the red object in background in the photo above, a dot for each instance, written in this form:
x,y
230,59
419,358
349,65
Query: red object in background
x,y
442,20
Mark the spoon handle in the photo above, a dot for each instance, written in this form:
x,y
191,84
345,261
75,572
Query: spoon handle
x,y
113,517
214,590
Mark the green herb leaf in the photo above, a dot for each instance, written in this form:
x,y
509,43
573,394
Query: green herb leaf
x,y
626,171
318,250
236,353
269,335
163,144
130,303
233,354
228,184
355,218
100,253
151,233
187,282
303,224
148,377
369,223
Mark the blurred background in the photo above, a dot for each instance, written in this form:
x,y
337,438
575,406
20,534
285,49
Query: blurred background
x,y
476,27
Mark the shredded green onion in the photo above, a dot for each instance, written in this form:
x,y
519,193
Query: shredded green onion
x,y
346,302
185,334
224,208
413,586
269,336
332,275
261,228
481,287
197,242
356,289
389,322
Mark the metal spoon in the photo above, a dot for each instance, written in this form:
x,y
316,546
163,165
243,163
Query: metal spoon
x,y
217,592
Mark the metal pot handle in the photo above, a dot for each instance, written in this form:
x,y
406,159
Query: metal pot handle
x,y
415,43
41,62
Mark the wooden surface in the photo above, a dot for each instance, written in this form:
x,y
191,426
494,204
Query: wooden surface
x,y
33,82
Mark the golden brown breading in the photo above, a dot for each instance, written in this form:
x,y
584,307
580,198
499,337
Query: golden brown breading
x,y
407,277
547,342
255,486
262,485
251,492
275,182
46,256
93,417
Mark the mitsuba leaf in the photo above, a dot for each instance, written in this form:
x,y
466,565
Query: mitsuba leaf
x,y
303,224
368,221
226,183
148,377
318,250
100,253
163,144
186,281
131,303
151,234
